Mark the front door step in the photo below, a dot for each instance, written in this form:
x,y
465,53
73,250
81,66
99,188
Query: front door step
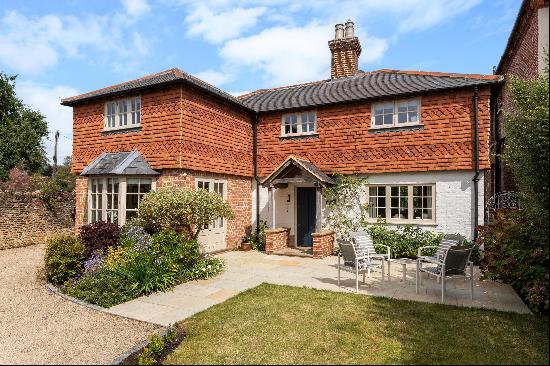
x,y
295,252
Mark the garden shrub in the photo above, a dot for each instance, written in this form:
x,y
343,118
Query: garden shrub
x,y
203,269
515,252
99,236
405,240
259,240
175,208
64,258
140,264
105,288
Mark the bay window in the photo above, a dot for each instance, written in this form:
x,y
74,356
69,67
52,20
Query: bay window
x,y
402,203
116,199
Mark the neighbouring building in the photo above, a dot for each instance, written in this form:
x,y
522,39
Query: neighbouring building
x,y
523,57
420,138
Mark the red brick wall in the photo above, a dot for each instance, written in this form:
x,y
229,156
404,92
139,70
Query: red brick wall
x,y
520,60
345,144
323,244
276,239
181,128
239,197
81,202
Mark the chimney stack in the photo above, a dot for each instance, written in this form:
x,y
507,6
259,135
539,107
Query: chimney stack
x,y
345,49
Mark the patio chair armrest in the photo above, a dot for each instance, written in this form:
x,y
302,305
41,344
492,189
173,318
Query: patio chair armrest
x,y
388,249
425,247
430,260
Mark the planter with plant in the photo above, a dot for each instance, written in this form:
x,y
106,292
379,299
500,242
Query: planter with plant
x,y
247,242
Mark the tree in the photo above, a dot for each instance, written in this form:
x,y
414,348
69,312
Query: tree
x,y
21,132
173,208
526,153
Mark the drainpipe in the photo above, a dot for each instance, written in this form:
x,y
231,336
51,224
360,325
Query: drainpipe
x,y
255,121
476,160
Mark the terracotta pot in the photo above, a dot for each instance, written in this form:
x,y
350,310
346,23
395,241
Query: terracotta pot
x,y
246,246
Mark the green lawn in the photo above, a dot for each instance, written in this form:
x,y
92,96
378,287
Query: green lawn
x,y
278,324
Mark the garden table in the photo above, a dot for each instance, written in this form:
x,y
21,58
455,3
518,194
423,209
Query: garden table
x,y
403,262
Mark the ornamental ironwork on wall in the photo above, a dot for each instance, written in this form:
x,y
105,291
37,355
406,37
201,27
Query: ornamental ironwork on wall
x,y
507,199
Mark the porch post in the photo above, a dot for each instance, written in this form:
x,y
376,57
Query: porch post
x,y
318,210
271,196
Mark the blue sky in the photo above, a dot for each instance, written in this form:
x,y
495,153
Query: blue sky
x,y
62,48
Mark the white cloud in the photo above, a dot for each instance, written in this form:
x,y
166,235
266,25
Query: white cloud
x,y
30,45
214,77
136,8
218,27
59,118
239,93
293,55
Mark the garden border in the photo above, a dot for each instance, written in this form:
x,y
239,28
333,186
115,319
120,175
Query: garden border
x,y
123,356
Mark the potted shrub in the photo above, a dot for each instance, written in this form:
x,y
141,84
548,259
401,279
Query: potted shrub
x,y
246,243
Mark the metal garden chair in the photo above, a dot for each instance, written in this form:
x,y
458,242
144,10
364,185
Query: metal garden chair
x,y
364,241
453,264
355,260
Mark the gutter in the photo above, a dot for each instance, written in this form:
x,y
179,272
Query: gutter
x,y
255,122
476,161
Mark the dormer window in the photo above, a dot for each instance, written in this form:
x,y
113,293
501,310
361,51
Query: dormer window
x,y
396,113
123,113
297,124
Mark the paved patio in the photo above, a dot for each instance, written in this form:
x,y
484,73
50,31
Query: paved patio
x,y
245,270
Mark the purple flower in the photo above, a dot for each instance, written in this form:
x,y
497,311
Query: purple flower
x,y
94,262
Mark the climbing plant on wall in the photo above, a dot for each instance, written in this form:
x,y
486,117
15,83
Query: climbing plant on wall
x,y
345,211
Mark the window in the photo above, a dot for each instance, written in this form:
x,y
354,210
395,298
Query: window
x,y
377,202
399,202
116,199
304,123
396,113
217,186
402,203
123,113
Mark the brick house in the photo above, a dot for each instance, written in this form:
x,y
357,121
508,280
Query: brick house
x,y
420,138
523,57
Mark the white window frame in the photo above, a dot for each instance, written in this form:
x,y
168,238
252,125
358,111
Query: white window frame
x,y
299,127
212,183
117,119
104,197
410,204
395,115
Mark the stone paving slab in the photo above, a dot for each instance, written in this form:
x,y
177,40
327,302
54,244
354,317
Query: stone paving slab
x,y
245,270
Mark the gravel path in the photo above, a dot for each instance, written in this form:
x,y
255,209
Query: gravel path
x,y
38,327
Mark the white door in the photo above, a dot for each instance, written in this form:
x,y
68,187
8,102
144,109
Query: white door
x,y
212,237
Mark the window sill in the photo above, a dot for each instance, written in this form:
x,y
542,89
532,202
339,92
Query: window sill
x,y
300,137
406,222
120,131
396,128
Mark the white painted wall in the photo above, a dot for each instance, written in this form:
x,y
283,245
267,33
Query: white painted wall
x,y
453,200
454,197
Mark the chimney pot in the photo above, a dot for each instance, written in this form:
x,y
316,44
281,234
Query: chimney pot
x,y
339,31
350,29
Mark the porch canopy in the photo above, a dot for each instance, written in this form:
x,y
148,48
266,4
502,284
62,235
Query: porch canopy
x,y
299,171
119,163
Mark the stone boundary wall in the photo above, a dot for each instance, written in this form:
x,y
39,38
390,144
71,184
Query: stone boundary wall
x,y
26,220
